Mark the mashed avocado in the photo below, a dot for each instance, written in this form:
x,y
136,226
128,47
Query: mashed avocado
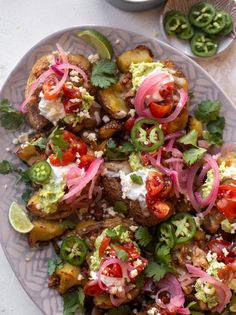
x,y
135,162
50,194
214,264
87,101
206,293
141,70
228,227
119,233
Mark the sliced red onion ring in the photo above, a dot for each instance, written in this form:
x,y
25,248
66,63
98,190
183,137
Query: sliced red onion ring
x,y
57,71
176,134
223,292
191,176
171,285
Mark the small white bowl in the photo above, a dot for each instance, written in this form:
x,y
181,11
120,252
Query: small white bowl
x,y
184,6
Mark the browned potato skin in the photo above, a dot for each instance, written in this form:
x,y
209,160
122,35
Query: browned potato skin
x,y
109,129
103,300
44,230
179,123
36,120
112,192
62,212
29,154
139,54
112,101
91,123
68,275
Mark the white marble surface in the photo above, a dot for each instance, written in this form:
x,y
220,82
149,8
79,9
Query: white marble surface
x,y
23,23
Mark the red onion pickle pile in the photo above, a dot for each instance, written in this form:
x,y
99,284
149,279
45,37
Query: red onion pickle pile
x,y
61,69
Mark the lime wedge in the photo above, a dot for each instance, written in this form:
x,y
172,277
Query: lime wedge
x,y
98,41
18,219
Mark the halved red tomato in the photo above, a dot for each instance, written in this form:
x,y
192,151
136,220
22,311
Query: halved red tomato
x,y
217,246
154,183
227,201
159,110
71,91
129,123
92,288
86,160
104,244
48,88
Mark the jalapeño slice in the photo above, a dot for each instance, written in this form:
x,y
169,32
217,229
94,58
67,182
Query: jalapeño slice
x,y
40,172
203,46
147,135
184,226
167,234
202,14
217,24
73,250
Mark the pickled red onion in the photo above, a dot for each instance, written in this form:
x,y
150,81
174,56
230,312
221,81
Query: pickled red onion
x,y
223,292
171,285
76,185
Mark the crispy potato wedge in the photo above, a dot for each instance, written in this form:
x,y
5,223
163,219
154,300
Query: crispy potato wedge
x,y
112,101
180,122
139,54
29,154
68,275
37,121
103,300
195,124
63,210
44,231
109,129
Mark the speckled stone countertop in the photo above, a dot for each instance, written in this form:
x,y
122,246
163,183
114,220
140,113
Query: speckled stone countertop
x,y
23,23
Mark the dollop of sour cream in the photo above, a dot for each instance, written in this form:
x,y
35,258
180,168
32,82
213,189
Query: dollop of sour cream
x,y
53,110
59,172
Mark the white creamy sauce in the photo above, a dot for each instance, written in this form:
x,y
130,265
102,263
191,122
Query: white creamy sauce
x,y
59,172
53,110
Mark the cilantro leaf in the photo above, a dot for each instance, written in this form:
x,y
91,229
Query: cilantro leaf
x,y
207,110
214,133
156,271
53,264
26,195
213,138
104,73
189,138
192,155
143,236
121,206
163,254
121,310
58,142
136,179
10,118
115,233
121,253
40,142
140,280
6,167
127,147
73,301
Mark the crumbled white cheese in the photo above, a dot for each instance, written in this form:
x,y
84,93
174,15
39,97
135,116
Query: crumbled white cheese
x,y
121,114
75,79
98,154
93,58
53,110
132,112
59,172
82,90
92,136
133,228
80,277
106,119
137,263
74,73
133,273
83,113
211,256
225,252
153,311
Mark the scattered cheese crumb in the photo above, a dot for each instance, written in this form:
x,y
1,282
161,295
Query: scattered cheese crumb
x,y
225,252
133,228
80,277
83,113
106,119
132,112
134,273
75,79
93,58
92,136
98,154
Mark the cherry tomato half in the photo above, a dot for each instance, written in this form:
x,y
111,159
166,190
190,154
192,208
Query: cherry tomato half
x,y
154,184
217,246
92,288
158,110
71,91
48,88
129,123
104,244
86,160
227,201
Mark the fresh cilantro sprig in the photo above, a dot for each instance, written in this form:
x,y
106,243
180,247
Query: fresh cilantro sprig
x,y
143,236
121,253
58,142
136,179
189,139
207,111
54,264
193,155
6,168
118,152
214,133
121,310
73,301
10,118
26,194
104,73
163,254
156,271
40,142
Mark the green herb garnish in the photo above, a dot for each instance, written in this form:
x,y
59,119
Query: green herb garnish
x,y
193,155
59,144
136,179
104,73
143,236
207,111
73,301
10,118
156,271
54,264
189,138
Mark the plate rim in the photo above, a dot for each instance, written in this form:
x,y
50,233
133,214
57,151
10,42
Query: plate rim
x,y
73,29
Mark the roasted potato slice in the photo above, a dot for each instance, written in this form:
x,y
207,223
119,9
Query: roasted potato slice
x,y
112,101
95,117
69,277
195,124
109,129
37,121
63,210
103,300
139,54
29,154
44,230
180,122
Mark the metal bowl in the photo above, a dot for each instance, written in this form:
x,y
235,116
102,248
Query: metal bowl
x,y
135,5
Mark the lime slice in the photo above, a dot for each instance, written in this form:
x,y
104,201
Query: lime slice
x,y
98,41
18,219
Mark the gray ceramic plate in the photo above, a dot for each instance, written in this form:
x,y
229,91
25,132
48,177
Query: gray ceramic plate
x,y
30,266
185,6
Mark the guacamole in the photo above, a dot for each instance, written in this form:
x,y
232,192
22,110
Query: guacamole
x,y
206,293
134,161
142,70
